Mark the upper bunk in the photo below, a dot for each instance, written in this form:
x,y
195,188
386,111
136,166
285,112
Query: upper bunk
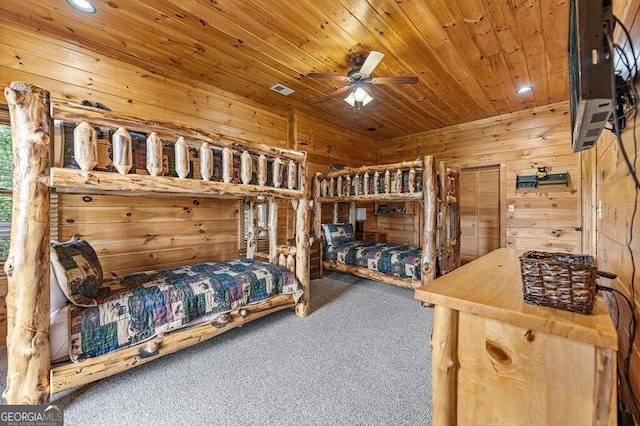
x,y
227,167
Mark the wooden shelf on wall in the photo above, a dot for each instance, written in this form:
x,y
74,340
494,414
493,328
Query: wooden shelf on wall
x,y
408,208
399,228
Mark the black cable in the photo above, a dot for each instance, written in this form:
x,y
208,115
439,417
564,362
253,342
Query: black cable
x,y
632,336
610,299
630,40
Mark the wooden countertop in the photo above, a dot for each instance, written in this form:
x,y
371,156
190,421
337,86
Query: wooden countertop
x,y
491,287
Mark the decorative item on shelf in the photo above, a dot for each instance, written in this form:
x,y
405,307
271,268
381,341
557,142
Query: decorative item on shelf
x,y
400,210
361,216
382,208
542,177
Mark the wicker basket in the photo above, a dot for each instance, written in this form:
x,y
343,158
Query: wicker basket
x,y
561,280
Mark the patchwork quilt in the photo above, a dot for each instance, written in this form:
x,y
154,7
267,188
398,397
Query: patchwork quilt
x,y
140,306
402,261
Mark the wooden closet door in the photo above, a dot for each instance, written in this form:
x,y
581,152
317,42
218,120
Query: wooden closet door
x,y
468,215
479,211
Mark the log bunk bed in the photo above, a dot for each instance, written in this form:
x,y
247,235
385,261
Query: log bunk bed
x,y
264,171
436,189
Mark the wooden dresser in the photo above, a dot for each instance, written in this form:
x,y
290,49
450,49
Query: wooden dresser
x,y
499,360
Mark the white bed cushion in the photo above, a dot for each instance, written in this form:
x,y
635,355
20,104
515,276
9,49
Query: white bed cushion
x,y
59,334
58,299
59,331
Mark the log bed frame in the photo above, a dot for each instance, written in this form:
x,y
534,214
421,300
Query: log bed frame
x,y
31,379
440,239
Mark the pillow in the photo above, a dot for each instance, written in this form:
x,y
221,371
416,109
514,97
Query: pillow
x,y
77,270
338,233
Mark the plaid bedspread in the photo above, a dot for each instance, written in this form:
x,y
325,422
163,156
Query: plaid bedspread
x,y
140,306
402,261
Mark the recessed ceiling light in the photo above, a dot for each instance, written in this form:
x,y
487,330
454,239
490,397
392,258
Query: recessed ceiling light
x,y
82,6
524,89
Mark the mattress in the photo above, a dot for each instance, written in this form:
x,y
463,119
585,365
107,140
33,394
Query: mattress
x,y
139,306
399,260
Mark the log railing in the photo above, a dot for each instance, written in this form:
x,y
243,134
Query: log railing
x,y
243,169
399,181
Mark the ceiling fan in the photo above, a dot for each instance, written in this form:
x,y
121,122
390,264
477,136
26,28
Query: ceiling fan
x,y
358,77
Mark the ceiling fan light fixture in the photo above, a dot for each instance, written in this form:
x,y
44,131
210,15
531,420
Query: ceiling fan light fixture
x,y
360,94
358,99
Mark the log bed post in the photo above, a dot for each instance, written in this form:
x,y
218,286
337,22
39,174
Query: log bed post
x,y
352,214
27,265
317,216
428,263
272,224
445,230
251,227
302,243
455,213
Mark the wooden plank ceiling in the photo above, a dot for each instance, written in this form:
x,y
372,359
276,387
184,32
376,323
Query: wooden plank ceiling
x,y
469,55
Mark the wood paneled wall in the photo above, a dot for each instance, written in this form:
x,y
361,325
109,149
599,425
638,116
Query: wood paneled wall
x,y
543,218
327,143
615,190
136,234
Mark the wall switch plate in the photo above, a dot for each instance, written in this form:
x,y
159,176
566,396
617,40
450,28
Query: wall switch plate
x,y
600,208
511,208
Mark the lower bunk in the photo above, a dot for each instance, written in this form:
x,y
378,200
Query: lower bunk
x,y
103,327
391,264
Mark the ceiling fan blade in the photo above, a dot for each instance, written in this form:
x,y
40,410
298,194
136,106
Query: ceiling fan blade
x,y
371,62
394,80
332,94
328,76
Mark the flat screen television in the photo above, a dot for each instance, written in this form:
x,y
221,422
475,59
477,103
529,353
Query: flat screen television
x,y
590,70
